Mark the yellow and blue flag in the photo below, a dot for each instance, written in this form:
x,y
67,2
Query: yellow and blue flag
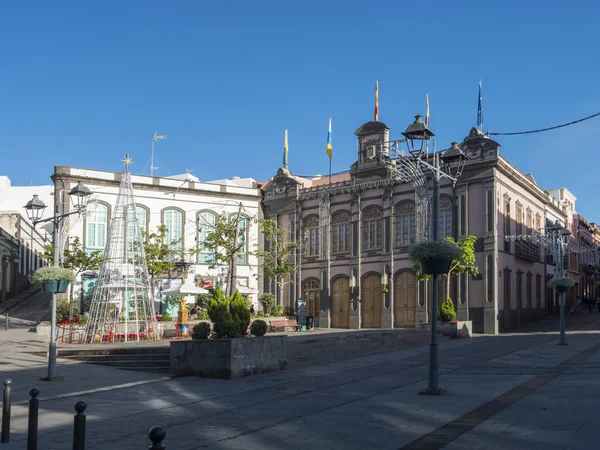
x,y
329,146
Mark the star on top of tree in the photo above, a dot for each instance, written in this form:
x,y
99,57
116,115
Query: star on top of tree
x,y
127,161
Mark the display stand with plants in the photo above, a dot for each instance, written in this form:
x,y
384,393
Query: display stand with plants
x,y
561,284
54,280
434,257
227,351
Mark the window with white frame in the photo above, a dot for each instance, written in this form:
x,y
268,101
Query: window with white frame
x,y
311,234
142,218
445,218
405,224
173,220
372,229
206,225
341,237
96,227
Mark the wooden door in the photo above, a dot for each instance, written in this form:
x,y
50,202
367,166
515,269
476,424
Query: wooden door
x,y
371,301
507,301
405,299
340,303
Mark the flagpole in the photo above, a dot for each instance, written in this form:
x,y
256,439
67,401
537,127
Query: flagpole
x,y
329,170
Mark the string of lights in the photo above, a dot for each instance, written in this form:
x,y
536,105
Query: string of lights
x,y
545,129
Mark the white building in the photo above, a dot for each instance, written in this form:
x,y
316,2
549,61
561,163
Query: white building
x,y
188,208
20,240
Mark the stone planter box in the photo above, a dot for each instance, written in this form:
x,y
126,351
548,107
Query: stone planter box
x,y
457,330
228,358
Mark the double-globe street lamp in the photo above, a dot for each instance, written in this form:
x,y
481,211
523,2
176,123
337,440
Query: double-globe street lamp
x,y
453,160
80,196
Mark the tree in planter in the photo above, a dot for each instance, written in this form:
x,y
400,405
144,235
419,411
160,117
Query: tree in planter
x,y
267,300
75,258
161,256
203,300
240,312
276,258
226,239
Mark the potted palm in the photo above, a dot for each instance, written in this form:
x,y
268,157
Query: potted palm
x,y
561,284
434,257
52,279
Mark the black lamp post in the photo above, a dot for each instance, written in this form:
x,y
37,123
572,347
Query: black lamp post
x,y
453,160
80,196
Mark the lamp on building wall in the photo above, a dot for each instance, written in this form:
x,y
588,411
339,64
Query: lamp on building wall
x,y
352,284
384,282
80,196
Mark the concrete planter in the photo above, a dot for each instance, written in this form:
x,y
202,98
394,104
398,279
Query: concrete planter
x,y
228,358
457,330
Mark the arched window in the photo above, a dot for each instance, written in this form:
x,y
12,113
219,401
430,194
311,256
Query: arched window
x,y
405,224
341,238
96,227
141,217
141,214
445,218
206,224
311,236
242,258
312,295
372,229
173,220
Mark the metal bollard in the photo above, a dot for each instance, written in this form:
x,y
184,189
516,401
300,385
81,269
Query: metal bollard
x,y
6,401
5,321
157,435
32,424
79,426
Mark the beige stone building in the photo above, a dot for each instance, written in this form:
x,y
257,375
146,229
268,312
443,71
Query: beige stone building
x,y
354,235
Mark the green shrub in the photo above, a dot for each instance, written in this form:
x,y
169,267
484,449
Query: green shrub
x,y
49,274
218,309
240,312
166,316
62,309
203,300
260,314
289,311
258,328
267,300
201,331
278,311
228,329
447,313
203,315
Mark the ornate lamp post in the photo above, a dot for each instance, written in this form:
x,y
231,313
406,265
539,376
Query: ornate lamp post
x,y
80,196
453,160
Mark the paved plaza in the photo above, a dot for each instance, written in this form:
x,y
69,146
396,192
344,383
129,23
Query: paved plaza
x,y
518,391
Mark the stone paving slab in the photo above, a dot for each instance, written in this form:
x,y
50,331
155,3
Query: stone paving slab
x,y
365,402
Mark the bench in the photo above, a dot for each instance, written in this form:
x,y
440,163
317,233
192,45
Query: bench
x,y
283,324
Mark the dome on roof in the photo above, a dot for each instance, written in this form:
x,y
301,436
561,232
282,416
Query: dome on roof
x,y
370,128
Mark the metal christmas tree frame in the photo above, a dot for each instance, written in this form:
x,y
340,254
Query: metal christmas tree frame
x,y
122,309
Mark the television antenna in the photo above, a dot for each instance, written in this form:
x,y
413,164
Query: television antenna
x,y
155,138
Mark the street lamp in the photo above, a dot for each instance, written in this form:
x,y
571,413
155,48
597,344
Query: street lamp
x,y
454,160
80,196
352,284
384,282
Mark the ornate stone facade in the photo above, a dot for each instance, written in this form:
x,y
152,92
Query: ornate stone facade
x,y
354,236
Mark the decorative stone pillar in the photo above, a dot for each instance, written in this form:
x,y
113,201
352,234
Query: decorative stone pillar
x,y
490,276
462,280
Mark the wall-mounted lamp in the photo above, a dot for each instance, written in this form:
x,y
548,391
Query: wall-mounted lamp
x,y
384,282
352,284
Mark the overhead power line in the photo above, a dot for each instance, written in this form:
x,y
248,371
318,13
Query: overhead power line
x,y
545,129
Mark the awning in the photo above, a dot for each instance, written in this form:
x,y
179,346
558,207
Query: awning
x,y
246,290
184,289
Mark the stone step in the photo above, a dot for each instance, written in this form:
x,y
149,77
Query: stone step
x,y
119,357
148,363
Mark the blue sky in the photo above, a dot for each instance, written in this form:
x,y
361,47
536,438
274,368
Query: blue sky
x,y
83,83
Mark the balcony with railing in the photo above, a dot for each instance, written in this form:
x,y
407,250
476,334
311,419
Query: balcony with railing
x,y
528,249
